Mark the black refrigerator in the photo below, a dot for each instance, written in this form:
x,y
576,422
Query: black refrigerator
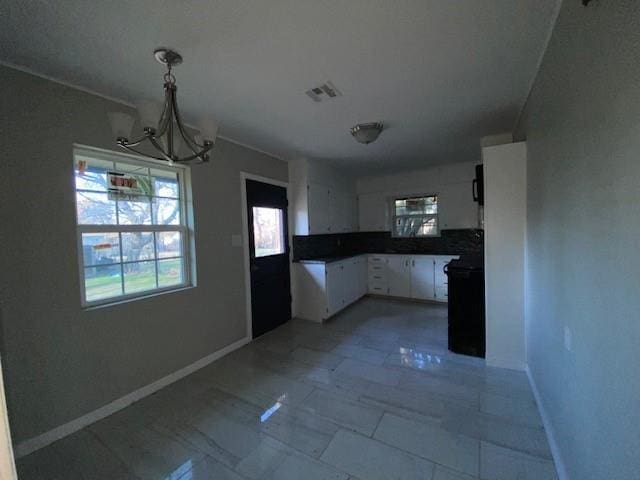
x,y
466,305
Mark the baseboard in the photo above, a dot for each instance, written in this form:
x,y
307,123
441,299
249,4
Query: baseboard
x,y
507,363
44,439
561,470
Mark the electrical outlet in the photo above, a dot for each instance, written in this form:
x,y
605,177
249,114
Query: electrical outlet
x,y
567,338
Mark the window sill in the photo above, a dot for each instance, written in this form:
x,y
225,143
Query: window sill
x,y
120,301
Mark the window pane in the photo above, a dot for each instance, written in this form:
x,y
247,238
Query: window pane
x,y
100,248
102,282
137,246
170,272
165,184
417,206
95,209
92,174
268,231
134,210
166,211
429,227
139,276
169,244
413,225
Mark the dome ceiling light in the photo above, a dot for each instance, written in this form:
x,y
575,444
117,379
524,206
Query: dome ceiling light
x,y
367,132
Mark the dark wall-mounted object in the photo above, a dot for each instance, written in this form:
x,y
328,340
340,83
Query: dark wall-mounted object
x,y
585,2
478,185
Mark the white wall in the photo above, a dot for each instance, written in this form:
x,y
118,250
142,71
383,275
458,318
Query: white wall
x,y
582,126
504,247
452,184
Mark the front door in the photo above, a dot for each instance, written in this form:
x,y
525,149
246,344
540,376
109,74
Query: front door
x,y
268,256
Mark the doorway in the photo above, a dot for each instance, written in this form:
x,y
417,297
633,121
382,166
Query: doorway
x,y
268,252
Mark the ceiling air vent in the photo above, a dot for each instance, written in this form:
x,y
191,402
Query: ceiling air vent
x,y
324,92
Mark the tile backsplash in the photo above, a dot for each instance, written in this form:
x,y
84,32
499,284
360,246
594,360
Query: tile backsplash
x,y
450,242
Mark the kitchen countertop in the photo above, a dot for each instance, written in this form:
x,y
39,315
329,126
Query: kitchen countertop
x,y
325,260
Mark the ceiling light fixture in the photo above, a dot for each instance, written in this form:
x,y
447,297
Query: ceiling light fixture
x,y
367,132
169,133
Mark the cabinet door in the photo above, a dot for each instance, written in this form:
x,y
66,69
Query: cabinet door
x,y
363,276
350,276
373,212
422,278
335,287
318,208
399,276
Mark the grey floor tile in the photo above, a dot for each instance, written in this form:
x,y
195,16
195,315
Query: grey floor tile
x,y
359,352
366,371
369,459
498,463
316,358
429,441
303,402
352,415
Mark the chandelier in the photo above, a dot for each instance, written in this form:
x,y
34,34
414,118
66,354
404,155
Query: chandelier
x,y
169,132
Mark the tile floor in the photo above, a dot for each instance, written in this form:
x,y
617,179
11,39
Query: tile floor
x,y
372,394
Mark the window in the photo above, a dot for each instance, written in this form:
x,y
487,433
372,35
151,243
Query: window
x,y
415,216
268,231
132,233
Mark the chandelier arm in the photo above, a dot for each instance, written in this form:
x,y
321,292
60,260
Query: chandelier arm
x,y
164,154
202,156
134,143
191,143
167,113
138,152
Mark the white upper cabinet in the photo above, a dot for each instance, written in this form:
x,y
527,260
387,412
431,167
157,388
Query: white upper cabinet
x,y
373,212
318,210
323,200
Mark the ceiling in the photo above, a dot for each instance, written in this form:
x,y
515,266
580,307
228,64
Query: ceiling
x,y
439,73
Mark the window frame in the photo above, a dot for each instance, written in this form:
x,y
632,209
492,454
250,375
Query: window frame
x,y
436,215
183,227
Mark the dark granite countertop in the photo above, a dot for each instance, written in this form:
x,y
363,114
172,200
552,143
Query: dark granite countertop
x,y
324,260
331,259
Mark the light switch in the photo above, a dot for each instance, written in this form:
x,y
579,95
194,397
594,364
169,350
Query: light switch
x,y
236,240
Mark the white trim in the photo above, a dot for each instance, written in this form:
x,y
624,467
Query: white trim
x,y
561,469
31,445
91,153
7,463
120,101
245,239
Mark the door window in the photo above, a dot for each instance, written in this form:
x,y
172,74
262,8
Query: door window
x,y
268,231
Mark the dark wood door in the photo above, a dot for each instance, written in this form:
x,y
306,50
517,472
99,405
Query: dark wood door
x,y
269,256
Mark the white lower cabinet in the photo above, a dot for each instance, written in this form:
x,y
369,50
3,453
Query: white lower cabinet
x,y
323,289
420,277
399,276
423,284
335,288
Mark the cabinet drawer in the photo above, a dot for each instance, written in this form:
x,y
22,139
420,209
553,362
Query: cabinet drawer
x,y
377,268
378,288
376,260
377,277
